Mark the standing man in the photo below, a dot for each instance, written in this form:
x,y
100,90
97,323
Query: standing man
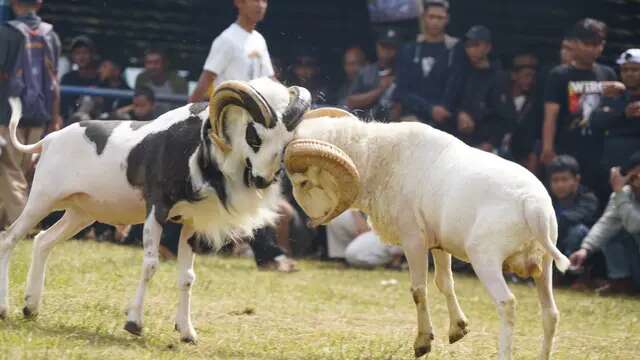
x,y
29,53
572,93
238,53
422,67
619,117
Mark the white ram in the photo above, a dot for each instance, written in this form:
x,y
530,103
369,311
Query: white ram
x,y
427,190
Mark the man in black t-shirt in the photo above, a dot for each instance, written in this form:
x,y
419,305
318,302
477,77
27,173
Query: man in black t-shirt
x,y
573,91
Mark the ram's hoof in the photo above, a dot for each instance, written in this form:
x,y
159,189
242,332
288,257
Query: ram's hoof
x,y
422,350
133,328
459,332
189,340
28,313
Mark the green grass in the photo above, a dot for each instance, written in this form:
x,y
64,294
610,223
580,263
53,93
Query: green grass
x,y
322,312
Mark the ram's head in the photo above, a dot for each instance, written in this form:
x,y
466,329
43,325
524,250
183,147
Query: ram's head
x,y
253,121
325,180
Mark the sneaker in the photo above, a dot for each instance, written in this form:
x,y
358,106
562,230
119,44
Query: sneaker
x,y
280,264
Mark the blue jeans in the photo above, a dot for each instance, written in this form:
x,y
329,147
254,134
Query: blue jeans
x,y
572,241
622,254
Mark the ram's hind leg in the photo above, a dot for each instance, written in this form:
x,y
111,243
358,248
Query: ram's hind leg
x,y
70,224
36,209
548,307
488,268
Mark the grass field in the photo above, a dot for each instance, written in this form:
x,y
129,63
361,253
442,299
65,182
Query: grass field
x,y
322,312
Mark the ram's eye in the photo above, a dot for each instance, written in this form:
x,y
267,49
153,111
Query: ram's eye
x,y
252,138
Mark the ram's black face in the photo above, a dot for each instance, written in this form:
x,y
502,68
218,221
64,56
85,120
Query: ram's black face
x,y
258,125
263,153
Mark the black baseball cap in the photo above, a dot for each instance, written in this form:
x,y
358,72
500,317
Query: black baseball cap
x,y
478,33
631,163
389,36
82,41
443,3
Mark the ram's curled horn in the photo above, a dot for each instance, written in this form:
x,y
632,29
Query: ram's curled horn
x,y
331,112
242,95
325,179
299,103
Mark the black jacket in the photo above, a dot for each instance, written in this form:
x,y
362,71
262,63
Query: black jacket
x,y
621,134
478,93
584,211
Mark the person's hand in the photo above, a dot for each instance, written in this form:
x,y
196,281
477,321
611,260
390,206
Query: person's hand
x,y
56,123
440,114
547,155
612,88
386,81
616,180
633,110
466,125
578,258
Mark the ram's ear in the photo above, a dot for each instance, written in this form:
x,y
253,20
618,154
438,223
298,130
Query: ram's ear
x,y
299,103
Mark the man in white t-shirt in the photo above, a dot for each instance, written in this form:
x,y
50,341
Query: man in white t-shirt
x,y
238,53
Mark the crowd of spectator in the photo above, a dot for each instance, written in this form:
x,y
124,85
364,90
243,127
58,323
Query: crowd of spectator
x,y
575,126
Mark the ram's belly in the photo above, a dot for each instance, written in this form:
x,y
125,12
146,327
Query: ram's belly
x,y
115,208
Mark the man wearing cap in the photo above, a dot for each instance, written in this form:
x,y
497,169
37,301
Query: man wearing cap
x,y
617,232
83,54
572,93
13,42
422,68
619,116
374,86
474,91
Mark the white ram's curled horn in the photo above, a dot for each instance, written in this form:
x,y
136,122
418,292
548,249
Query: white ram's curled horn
x,y
332,112
325,180
241,94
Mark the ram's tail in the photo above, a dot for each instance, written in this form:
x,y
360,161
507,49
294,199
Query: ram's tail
x,y
16,114
544,227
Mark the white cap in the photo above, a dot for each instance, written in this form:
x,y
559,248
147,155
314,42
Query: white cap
x,y
629,56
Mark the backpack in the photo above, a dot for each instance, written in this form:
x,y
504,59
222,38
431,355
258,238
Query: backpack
x,y
33,78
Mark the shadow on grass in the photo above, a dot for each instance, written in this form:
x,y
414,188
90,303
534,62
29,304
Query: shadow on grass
x,y
95,336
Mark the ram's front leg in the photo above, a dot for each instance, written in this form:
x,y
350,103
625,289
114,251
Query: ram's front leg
x,y
186,278
151,243
415,250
